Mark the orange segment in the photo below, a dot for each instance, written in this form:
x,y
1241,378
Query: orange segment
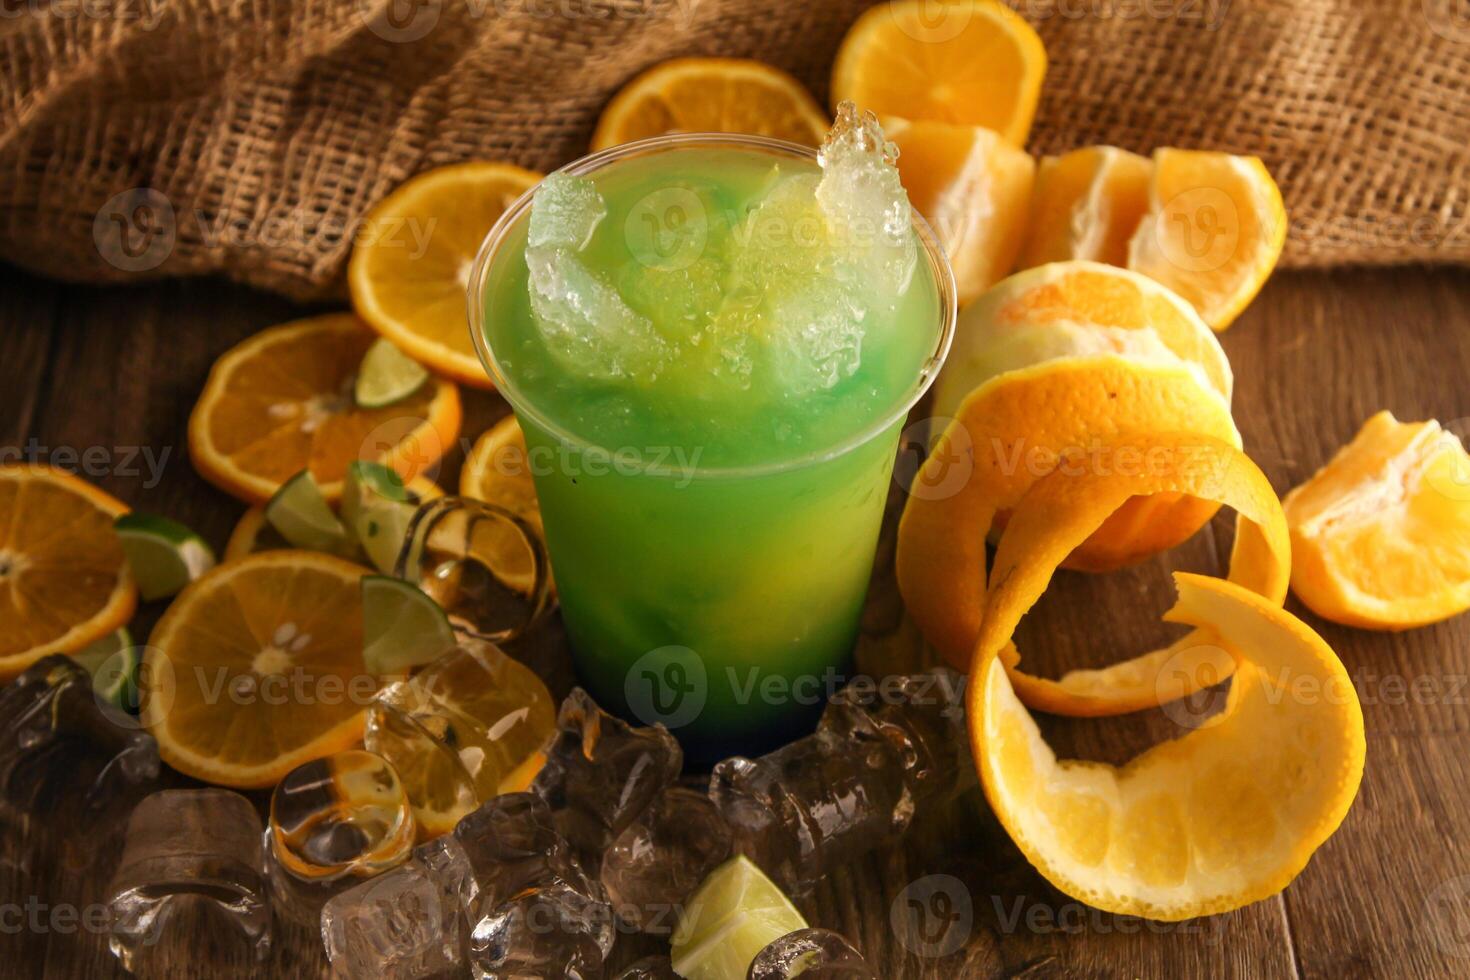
x,y
1225,815
64,580
969,62
282,401
1007,435
257,668
1381,535
1064,508
1087,205
411,261
253,533
711,95
1215,227
973,188
498,471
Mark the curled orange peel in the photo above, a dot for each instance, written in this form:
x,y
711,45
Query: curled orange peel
x,y
1062,509
1225,815
1010,432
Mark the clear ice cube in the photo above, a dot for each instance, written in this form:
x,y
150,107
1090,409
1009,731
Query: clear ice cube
x,y
192,874
812,954
661,858
601,773
565,212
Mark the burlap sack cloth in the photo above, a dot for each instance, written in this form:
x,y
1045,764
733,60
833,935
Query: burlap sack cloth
x,y
248,137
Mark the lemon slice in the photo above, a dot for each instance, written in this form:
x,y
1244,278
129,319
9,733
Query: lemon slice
x,y
401,627
113,663
300,513
377,509
387,376
734,915
165,555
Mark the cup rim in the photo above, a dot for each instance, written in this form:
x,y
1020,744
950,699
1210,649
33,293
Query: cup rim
x,y
933,252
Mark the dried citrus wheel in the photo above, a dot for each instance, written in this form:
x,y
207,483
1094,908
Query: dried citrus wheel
x,y
411,261
254,533
1380,536
972,62
1062,509
974,189
1077,309
1087,204
498,471
257,668
1010,433
281,402
711,95
64,580
1214,230
1227,814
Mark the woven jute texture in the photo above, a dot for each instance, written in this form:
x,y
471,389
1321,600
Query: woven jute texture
x,y
248,137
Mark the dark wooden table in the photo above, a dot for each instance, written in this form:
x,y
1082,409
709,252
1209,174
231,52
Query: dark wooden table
x,y
1388,895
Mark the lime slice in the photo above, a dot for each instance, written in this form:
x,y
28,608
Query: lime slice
x,y
301,514
736,913
377,508
401,626
387,375
113,663
165,555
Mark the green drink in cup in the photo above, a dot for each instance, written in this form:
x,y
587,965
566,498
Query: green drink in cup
x,y
712,342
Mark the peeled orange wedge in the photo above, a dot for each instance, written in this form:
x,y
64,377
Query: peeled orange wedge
x,y
257,667
498,471
1087,204
410,264
711,95
970,62
1062,509
64,580
253,533
1215,227
973,188
1381,534
1225,815
282,401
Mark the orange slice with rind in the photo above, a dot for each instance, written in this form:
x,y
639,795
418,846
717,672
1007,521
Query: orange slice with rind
x,y
411,259
1215,227
969,62
497,470
1087,204
281,401
973,188
712,95
1381,534
1225,815
257,667
64,579
1064,508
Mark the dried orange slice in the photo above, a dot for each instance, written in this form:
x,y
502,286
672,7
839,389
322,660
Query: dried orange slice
x,y
971,62
1062,509
253,532
498,471
281,402
1081,412
1215,227
1087,204
64,580
257,667
711,95
411,260
1227,814
1381,535
973,188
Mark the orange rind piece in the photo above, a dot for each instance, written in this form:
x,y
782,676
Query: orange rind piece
x,y
1381,534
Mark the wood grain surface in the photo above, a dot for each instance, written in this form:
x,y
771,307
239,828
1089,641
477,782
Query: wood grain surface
x,y
1387,896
